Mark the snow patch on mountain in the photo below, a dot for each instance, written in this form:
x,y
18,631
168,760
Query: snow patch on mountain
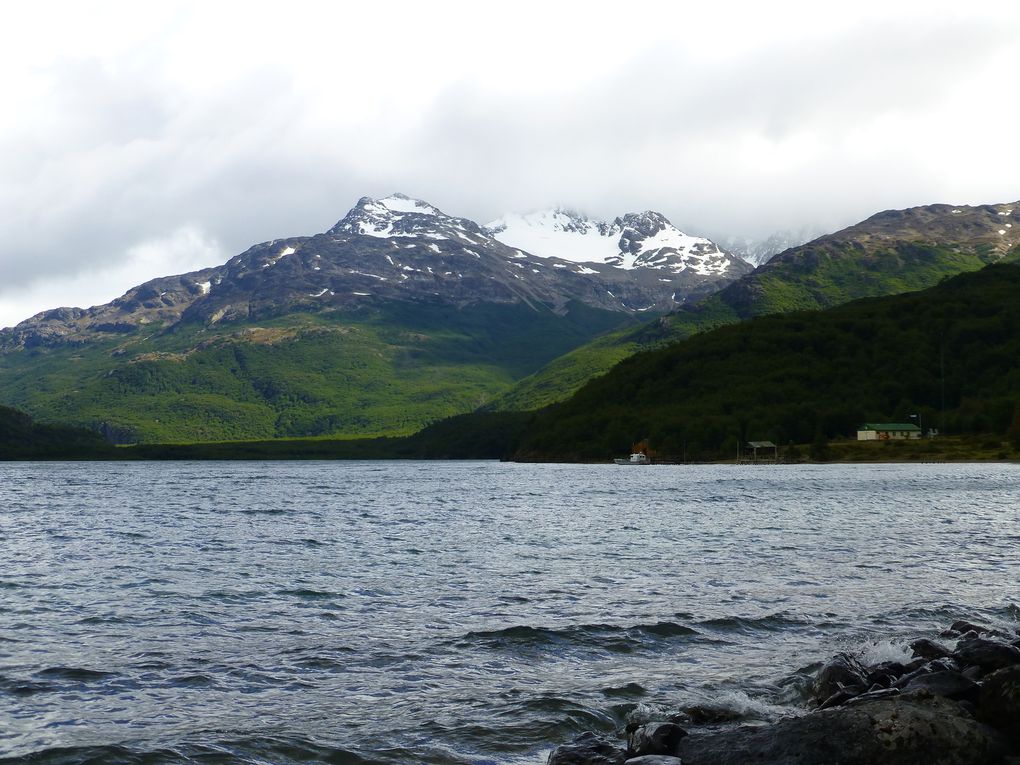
x,y
637,240
559,234
399,203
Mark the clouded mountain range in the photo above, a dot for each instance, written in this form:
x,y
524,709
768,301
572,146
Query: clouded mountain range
x,y
399,248
395,316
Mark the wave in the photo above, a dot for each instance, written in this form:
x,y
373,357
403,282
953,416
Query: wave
x,y
777,622
309,594
245,751
23,687
610,637
525,724
76,674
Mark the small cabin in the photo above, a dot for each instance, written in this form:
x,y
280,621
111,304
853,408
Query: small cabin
x,y
761,451
888,431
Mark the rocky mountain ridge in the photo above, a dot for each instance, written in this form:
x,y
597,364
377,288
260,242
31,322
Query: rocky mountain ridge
x,y
396,248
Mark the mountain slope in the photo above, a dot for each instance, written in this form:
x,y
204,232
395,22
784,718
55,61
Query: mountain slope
x,y
892,252
386,368
396,316
950,353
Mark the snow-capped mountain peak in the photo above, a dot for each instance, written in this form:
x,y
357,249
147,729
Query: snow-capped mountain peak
x,y
558,233
399,215
635,240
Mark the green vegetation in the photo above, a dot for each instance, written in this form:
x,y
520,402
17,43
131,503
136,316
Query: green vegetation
x,y
22,439
474,436
386,371
950,354
564,375
810,277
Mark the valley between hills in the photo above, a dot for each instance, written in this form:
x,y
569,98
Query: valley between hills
x,y
403,320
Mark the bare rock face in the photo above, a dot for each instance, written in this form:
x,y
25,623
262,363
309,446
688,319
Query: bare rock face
x,y
904,730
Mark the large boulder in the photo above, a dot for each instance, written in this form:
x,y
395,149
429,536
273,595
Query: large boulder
x,y
952,685
588,749
990,655
999,702
962,627
903,730
929,649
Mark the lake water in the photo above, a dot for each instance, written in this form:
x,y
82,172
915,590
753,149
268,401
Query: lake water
x,y
460,612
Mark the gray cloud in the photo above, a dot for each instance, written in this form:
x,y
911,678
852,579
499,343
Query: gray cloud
x,y
798,131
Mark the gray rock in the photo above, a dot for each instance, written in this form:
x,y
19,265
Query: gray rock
x,y
929,649
842,672
838,699
654,759
655,738
952,685
990,655
999,701
886,673
962,627
947,664
588,749
928,730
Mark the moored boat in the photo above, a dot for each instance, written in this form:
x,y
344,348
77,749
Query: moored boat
x,y
637,458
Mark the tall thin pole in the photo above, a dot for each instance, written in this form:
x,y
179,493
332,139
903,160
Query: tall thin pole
x,y
942,374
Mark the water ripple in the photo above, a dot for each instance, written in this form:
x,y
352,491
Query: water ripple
x,y
461,612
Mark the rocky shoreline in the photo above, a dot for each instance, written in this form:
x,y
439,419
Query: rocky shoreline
x,y
954,703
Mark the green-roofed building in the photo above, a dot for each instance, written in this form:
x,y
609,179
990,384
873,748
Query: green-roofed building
x,y
887,431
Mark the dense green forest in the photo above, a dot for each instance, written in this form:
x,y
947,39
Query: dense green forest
x,y
950,354
21,438
389,369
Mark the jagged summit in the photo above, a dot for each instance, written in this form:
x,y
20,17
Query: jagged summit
x,y
636,240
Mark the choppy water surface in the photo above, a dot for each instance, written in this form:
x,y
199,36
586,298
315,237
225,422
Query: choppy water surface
x,y
459,612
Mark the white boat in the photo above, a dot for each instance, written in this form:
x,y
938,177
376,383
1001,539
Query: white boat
x,y
635,459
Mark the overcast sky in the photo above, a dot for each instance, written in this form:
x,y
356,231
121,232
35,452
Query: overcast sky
x,y
145,139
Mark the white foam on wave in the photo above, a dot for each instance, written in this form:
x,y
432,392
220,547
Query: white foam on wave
x,y
748,707
878,651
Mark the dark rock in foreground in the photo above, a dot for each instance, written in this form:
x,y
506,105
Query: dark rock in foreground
x,y
999,703
900,731
959,707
